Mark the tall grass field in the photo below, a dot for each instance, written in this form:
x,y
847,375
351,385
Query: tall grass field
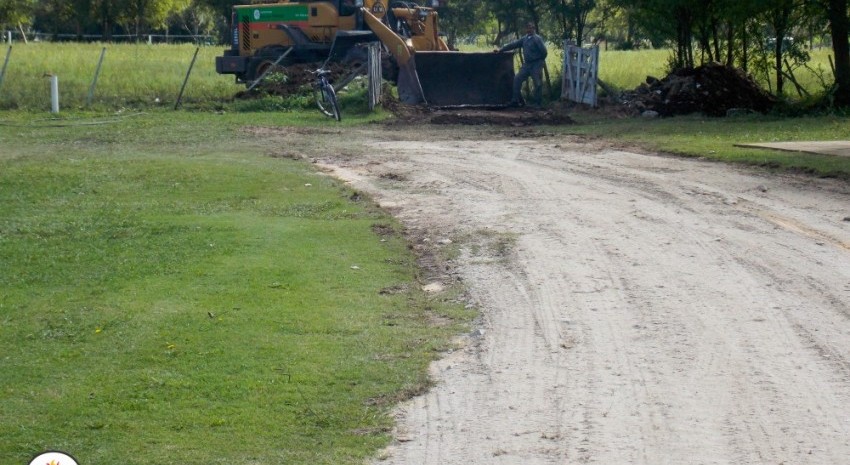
x,y
143,75
132,75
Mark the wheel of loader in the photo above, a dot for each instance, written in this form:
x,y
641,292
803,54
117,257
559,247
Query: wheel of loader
x,y
262,67
265,58
265,65
257,67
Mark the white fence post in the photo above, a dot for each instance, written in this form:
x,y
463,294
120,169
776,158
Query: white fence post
x,y
54,93
580,74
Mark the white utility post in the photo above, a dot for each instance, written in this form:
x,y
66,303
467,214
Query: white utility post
x,y
54,93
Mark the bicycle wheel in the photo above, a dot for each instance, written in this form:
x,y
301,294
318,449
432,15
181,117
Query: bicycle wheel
x,y
327,102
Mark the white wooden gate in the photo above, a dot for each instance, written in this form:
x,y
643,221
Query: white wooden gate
x,y
580,73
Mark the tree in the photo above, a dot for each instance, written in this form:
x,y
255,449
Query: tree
x,y
13,13
145,15
223,8
671,20
197,19
64,16
838,25
106,13
571,16
462,18
609,22
780,16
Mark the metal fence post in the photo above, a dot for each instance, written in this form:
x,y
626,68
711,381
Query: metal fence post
x,y
188,72
90,97
5,65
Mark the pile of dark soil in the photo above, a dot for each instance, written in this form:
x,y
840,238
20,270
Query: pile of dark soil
x,y
290,80
713,89
473,115
500,117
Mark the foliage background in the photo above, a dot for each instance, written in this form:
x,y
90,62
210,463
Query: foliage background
x,y
772,39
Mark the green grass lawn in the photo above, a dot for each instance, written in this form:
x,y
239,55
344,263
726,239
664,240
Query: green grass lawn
x,y
171,294
716,138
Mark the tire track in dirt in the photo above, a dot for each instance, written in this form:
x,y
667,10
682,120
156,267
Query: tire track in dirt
x,y
651,310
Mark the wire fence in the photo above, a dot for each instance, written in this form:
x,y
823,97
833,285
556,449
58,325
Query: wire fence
x,y
10,36
107,76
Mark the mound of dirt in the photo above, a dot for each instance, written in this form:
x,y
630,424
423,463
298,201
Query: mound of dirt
x,y
291,79
472,116
415,114
712,89
500,117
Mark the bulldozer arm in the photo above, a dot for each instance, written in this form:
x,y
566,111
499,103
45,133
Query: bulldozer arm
x,y
460,78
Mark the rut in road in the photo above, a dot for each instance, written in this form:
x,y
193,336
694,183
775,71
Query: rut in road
x,y
649,310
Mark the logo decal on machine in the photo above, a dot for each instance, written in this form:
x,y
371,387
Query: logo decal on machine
x,y
378,8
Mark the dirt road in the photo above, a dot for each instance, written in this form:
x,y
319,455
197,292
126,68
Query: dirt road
x,y
636,308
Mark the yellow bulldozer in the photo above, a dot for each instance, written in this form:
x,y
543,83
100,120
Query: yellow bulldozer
x,y
417,58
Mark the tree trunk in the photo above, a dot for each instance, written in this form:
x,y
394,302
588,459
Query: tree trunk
x,y
715,34
777,55
839,26
745,48
566,34
730,44
780,25
579,25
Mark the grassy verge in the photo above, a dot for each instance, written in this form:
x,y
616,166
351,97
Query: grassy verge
x,y
715,138
173,295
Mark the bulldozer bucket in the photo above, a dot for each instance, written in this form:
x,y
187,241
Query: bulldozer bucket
x,y
461,79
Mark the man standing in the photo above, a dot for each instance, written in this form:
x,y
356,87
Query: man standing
x,y
534,55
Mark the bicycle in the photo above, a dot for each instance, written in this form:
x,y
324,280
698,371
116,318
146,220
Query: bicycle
x,y
325,95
